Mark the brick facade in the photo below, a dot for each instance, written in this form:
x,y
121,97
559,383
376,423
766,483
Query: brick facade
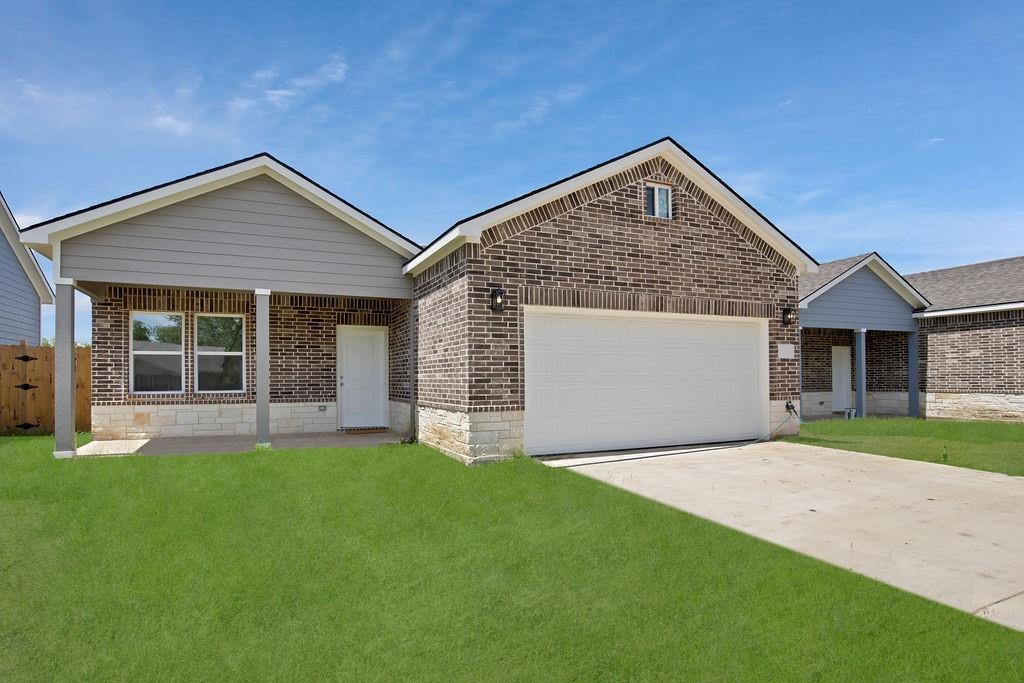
x,y
594,248
303,336
981,353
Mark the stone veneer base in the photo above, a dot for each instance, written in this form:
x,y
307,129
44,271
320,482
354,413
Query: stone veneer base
x,y
182,420
974,406
819,403
486,436
472,437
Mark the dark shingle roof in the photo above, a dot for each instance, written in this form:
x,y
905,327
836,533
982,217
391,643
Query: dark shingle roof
x,y
977,284
827,272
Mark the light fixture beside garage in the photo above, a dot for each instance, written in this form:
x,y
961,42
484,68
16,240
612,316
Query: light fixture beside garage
x,y
497,300
788,315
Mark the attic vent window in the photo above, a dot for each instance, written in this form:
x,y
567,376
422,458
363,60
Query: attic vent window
x,y
658,201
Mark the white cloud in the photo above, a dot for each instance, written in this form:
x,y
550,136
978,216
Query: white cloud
x,y
279,97
811,195
171,124
784,103
240,103
934,141
541,105
332,71
262,77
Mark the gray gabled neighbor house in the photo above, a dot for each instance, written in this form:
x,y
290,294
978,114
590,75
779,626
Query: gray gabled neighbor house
x,y
23,287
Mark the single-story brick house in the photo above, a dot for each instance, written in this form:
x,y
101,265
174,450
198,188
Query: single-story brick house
x,y
640,302
945,343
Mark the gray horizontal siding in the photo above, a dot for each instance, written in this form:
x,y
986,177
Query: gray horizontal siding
x,y
861,301
19,302
256,234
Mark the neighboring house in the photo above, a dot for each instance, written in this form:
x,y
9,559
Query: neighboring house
x,y
955,335
23,286
972,353
641,302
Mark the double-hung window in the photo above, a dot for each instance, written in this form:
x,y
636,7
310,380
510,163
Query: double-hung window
x,y
220,353
658,201
157,358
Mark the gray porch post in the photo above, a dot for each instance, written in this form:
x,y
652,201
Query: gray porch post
x,y
913,390
64,372
263,366
862,372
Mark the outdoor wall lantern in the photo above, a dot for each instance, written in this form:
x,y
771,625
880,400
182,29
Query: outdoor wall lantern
x,y
788,315
497,300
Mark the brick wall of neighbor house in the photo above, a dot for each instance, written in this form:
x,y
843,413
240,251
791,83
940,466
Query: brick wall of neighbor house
x,y
886,370
973,365
594,249
302,361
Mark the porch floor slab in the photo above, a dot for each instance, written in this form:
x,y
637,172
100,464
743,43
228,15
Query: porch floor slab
x,y
232,444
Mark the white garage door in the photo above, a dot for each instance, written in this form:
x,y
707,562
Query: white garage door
x,y
601,380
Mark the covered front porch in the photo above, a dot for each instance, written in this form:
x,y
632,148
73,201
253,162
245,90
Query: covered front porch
x,y
859,372
174,368
859,344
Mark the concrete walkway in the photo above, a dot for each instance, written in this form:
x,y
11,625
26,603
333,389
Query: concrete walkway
x,y
231,444
950,534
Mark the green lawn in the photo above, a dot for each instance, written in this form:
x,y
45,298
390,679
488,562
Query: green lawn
x,y
397,562
991,446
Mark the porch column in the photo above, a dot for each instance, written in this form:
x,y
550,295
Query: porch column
x,y
64,372
263,366
913,365
862,372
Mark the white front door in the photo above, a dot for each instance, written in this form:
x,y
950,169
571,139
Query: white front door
x,y
362,376
602,380
840,378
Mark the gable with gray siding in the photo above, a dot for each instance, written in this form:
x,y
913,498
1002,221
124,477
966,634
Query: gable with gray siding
x,y
19,301
861,301
255,234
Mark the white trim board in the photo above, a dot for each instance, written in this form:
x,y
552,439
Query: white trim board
x,y
889,276
9,227
44,236
471,229
971,309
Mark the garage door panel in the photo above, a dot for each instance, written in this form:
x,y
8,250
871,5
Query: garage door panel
x,y
598,380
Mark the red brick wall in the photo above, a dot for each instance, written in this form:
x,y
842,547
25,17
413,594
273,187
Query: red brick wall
x,y
303,339
979,353
596,248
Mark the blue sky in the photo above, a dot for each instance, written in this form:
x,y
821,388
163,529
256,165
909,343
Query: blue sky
x,y
853,126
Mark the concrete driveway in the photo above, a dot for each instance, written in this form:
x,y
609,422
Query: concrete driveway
x,y
950,534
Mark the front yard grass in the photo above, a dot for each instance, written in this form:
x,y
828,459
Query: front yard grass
x,y
990,446
397,562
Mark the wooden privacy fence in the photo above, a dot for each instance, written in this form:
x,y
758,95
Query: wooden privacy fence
x,y
26,389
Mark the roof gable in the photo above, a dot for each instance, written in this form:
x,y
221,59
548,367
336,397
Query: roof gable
x,y
471,229
43,235
834,273
9,228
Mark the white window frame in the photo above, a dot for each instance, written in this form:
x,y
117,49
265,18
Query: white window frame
x,y
197,352
658,186
132,352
